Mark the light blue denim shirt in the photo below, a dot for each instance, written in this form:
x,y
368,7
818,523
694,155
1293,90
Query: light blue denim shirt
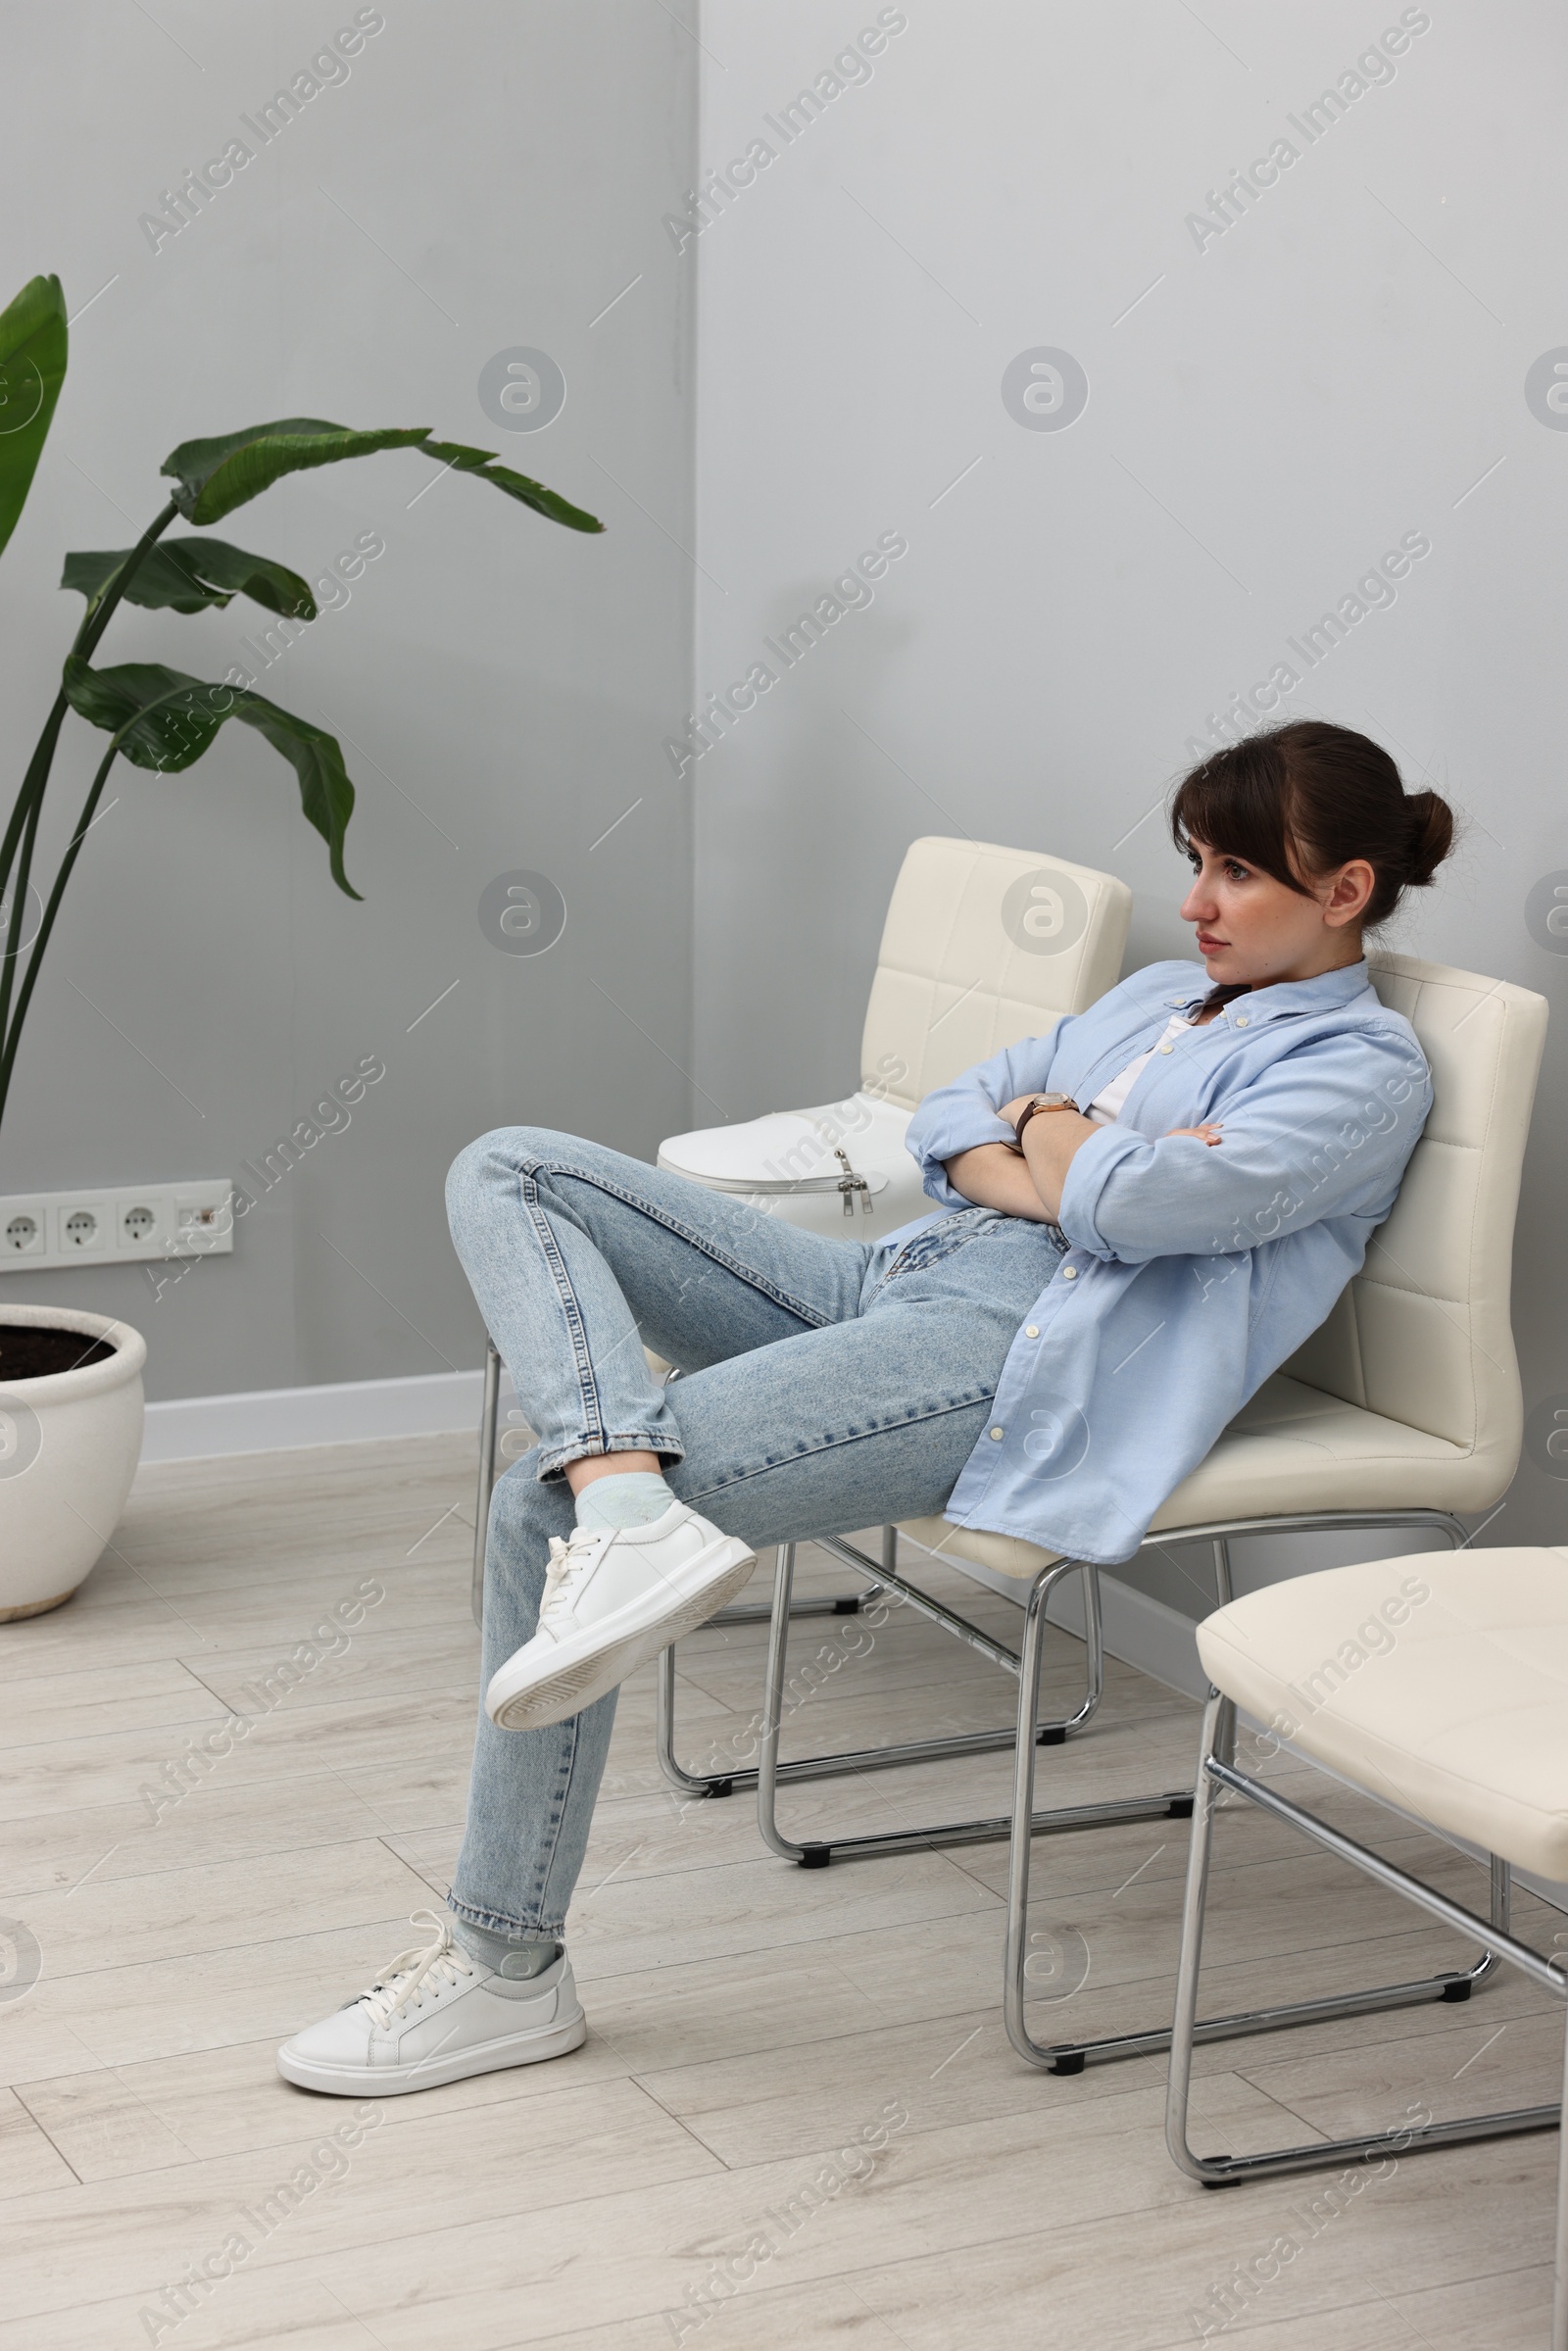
x,y
1191,1272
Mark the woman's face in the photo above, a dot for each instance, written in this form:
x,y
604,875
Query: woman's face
x,y
1251,927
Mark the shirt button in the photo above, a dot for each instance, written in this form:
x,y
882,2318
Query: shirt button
x,y
1241,1021
1167,1048
1033,1332
1069,1273
997,1435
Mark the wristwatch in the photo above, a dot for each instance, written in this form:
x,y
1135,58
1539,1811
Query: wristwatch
x,y
1040,1101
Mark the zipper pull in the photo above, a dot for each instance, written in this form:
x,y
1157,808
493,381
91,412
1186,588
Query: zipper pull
x,y
850,1184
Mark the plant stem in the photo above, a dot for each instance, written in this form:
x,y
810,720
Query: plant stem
x,y
73,849
94,622
14,1038
23,828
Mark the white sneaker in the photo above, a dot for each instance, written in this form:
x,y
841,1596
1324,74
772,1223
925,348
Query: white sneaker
x,y
614,1597
436,2015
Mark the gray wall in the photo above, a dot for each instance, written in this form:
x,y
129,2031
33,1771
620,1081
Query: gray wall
x,y
1270,409
1266,416
501,684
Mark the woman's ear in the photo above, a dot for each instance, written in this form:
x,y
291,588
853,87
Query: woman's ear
x,y
1346,900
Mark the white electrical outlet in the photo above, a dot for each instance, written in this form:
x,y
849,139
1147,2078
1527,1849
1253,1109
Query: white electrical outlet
x,y
83,1228
25,1232
44,1229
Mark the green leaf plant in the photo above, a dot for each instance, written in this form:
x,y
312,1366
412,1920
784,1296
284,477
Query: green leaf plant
x,y
156,717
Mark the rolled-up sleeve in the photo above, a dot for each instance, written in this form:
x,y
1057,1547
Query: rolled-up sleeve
x,y
1325,1131
958,1117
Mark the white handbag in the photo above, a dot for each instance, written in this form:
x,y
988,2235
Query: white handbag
x,y
841,1170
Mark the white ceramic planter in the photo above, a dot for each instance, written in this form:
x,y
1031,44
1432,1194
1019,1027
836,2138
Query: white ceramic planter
x,y
68,1447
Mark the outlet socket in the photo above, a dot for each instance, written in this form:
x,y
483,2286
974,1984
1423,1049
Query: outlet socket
x,y
83,1228
43,1230
24,1231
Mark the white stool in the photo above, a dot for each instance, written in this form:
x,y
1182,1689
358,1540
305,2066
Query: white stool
x,y
1438,1686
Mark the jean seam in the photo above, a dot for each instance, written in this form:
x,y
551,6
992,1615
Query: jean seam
x,y
744,1273
627,1441
832,1444
494,1923
572,1312
552,1841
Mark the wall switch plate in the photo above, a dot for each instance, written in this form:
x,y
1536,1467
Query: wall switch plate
x,y
122,1225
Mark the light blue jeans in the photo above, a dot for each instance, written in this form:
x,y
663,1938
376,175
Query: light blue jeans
x,y
825,1385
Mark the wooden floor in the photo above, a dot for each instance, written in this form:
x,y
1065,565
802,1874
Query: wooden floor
x,y
752,2026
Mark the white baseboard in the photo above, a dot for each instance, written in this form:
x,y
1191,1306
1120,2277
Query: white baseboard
x,y
343,1412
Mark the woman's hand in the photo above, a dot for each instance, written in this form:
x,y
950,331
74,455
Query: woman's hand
x,y
1209,1130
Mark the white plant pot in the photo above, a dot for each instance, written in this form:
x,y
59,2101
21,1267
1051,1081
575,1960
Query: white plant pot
x,y
68,1447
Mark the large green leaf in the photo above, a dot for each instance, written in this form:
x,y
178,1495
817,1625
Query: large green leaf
x,y
194,575
212,478
484,463
32,369
164,720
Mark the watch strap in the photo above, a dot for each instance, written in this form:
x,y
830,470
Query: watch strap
x,y
1058,1102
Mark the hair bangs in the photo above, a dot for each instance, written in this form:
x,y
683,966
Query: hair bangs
x,y
1235,804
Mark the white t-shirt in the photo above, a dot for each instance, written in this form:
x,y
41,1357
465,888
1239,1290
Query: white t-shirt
x,y
1107,1107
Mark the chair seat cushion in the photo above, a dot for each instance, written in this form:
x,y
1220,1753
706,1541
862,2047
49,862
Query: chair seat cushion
x,y
1292,1449
1438,1683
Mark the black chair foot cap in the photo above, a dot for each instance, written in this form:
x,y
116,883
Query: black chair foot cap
x,y
816,1857
720,1788
1181,1809
1052,1737
1458,1991
1068,2061
849,1607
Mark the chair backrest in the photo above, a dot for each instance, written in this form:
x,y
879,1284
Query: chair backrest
x,y
1422,1335
982,946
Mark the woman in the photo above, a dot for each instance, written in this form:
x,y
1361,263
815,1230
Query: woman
x,y
1141,1214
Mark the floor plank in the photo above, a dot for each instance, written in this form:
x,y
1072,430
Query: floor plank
x,y
797,2120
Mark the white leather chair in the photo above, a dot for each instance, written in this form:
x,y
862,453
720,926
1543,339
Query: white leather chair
x,y
1402,1410
982,946
1438,1686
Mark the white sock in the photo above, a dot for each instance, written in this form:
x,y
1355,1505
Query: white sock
x,y
635,1498
521,1956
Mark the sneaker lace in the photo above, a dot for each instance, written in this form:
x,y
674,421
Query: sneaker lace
x,y
567,1562
435,1964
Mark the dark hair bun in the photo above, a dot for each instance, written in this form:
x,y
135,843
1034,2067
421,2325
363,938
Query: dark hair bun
x,y
1431,821
1308,797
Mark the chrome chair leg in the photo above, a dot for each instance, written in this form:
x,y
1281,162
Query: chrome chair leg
x,y
818,1767
1217,2171
1451,1986
1224,1594
1070,2057
890,1589
1026,1736
759,1612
